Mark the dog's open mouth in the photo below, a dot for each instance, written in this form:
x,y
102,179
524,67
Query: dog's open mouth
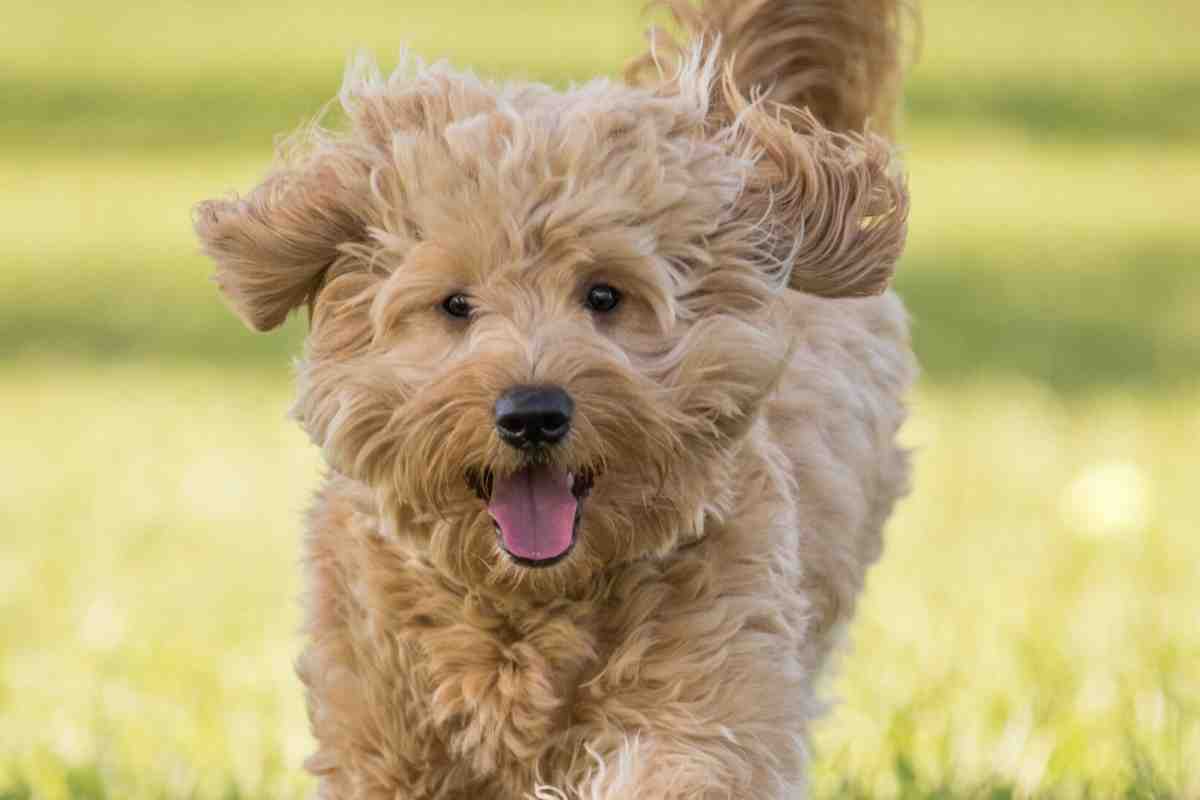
x,y
536,510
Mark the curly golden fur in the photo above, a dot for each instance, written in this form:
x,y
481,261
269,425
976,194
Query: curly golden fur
x,y
735,414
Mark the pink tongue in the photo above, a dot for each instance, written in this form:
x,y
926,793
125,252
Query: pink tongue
x,y
535,511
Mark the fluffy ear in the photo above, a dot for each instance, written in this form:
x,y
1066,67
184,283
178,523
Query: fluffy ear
x,y
822,190
833,206
273,245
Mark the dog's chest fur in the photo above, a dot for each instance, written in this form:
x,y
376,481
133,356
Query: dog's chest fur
x,y
405,670
412,671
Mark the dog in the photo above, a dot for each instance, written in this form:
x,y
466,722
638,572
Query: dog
x,y
608,381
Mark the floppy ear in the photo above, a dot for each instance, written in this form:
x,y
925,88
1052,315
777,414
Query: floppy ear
x,y
833,206
273,245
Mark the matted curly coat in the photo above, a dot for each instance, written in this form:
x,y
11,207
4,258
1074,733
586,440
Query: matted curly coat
x,y
608,381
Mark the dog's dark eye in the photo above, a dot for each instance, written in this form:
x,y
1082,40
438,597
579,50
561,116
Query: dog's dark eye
x,y
603,297
457,305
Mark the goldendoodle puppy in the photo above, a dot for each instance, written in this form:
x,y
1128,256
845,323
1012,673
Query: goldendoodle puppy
x,y
608,381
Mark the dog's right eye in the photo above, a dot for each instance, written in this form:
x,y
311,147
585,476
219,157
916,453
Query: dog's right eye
x,y
457,305
602,298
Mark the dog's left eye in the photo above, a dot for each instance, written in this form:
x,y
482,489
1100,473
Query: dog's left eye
x,y
602,298
457,305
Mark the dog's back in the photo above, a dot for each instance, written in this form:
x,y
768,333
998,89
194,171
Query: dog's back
x,y
840,402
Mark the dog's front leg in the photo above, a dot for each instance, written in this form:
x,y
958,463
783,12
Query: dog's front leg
x,y
698,720
648,766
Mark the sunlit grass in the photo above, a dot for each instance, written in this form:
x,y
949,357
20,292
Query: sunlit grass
x,y
995,185
1028,627
213,76
1030,620
147,606
160,44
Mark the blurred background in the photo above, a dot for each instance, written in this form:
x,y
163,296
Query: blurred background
x,y
1034,627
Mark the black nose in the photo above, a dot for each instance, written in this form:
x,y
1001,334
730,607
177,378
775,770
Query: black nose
x,y
527,416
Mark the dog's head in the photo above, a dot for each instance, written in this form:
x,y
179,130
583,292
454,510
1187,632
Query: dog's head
x,y
542,322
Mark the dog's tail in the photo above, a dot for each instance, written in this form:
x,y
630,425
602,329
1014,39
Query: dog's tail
x,y
840,59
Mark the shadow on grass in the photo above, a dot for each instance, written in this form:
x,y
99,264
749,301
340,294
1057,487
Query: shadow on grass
x,y
106,325
77,116
984,309
82,115
1163,109
88,782
85,782
909,786
1074,330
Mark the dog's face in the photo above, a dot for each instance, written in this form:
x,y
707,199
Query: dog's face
x,y
543,322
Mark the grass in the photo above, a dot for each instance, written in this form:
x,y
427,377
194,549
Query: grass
x,y
1029,626
1031,631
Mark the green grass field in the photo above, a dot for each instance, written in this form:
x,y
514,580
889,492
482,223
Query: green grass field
x,y
1034,627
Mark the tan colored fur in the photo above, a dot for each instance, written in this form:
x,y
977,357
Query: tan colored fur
x,y
739,408
840,59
